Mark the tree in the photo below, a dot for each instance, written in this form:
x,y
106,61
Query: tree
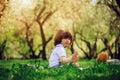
x,y
3,6
2,48
41,13
114,29
89,29
41,19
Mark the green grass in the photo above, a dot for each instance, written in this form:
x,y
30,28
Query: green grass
x,y
38,70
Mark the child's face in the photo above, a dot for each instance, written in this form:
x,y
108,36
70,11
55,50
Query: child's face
x,y
66,42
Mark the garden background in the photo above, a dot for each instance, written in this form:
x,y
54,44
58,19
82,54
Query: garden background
x,y
28,27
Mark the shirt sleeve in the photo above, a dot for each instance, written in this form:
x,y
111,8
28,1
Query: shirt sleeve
x,y
61,52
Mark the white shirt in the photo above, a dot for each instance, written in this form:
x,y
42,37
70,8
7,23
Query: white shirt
x,y
58,52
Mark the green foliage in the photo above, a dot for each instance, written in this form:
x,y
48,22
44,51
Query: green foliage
x,y
38,70
90,24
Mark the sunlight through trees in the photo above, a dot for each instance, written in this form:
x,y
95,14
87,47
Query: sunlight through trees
x,y
27,27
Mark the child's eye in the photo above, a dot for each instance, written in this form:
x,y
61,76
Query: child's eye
x,y
69,38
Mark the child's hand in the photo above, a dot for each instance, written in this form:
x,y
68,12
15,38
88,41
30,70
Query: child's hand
x,y
75,57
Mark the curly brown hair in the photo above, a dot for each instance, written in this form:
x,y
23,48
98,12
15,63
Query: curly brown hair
x,y
61,34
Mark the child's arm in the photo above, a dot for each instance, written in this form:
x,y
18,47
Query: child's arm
x,y
64,59
73,58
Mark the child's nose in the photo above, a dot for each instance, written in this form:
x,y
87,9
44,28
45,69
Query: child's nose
x,y
68,39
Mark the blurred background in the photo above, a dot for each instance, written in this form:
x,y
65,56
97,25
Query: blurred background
x,y
28,27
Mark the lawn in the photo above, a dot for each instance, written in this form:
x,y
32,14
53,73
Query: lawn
x,y
38,70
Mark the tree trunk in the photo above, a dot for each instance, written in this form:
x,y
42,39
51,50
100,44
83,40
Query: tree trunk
x,y
107,45
72,48
2,48
44,53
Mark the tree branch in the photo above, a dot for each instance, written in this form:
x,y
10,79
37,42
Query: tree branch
x,y
48,16
49,39
82,49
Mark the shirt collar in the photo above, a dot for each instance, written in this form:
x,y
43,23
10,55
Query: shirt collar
x,y
59,45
